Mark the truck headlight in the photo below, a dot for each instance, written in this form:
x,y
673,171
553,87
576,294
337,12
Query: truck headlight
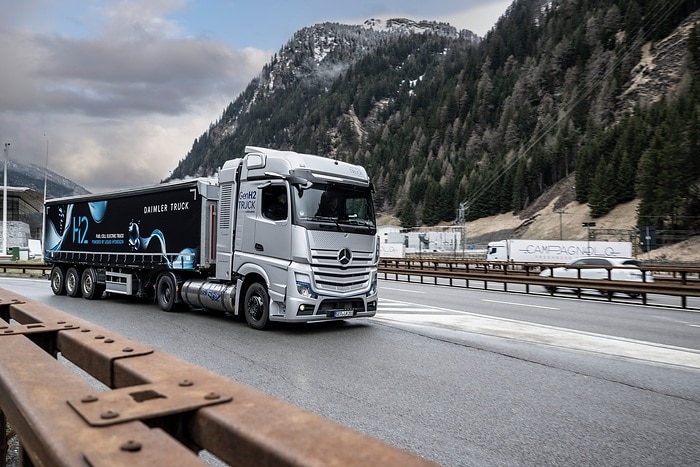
x,y
304,286
373,285
377,249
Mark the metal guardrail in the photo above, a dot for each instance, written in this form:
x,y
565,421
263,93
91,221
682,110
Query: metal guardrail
x,y
160,410
680,281
24,268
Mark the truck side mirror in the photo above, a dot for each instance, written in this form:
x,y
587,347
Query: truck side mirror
x,y
300,182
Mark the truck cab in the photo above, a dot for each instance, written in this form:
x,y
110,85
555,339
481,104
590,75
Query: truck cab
x,y
497,251
297,234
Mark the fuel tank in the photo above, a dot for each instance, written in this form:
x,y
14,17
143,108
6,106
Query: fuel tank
x,y
199,293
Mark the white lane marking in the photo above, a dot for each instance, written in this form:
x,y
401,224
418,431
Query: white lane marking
x,y
404,290
521,304
463,321
678,321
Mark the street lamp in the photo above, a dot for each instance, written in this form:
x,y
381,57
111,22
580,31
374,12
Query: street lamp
x,y
4,202
43,208
588,225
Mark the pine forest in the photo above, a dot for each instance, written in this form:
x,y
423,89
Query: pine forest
x,y
447,122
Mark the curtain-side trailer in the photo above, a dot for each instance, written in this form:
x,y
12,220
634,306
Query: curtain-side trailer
x,y
554,251
279,236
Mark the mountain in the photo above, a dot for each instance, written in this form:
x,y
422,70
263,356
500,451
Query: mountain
x,y
32,176
309,68
449,124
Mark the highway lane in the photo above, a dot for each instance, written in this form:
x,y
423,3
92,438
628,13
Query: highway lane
x,y
670,301
463,377
624,320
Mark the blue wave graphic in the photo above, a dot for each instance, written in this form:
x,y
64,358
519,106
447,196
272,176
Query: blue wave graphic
x,y
98,209
139,243
185,259
54,240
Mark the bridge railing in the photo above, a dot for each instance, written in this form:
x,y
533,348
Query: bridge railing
x,y
158,410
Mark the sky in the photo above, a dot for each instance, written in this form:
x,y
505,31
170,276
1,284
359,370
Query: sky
x,y
112,93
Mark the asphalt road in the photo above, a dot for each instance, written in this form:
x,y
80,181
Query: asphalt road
x,y
462,377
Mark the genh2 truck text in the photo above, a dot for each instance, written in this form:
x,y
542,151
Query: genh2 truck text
x,y
280,236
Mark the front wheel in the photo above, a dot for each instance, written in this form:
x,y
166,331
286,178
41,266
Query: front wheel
x,y
257,306
73,282
166,292
58,280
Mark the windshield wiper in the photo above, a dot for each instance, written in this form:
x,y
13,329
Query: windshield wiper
x,y
326,219
357,223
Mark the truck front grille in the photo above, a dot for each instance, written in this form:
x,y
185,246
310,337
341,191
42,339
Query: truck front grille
x,y
331,275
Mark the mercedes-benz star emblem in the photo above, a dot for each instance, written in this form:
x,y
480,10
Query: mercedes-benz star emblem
x,y
344,256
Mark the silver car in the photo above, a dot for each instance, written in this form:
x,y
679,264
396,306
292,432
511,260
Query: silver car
x,y
620,269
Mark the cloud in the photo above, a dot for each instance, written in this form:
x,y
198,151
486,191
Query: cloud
x,y
109,78
121,88
478,18
121,98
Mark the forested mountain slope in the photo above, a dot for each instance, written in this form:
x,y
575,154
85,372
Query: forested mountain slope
x,y
605,90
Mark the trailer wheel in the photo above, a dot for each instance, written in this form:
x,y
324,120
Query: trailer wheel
x,y
88,284
166,292
550,288
58,280
72,283
257,306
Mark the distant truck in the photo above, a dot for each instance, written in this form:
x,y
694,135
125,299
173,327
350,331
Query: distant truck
x,y
554,251
279,236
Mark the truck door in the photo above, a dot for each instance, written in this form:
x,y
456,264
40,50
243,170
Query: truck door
x,y
273,231
247,209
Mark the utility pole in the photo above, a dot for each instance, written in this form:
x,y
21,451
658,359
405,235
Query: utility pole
x,y
561,212
460,220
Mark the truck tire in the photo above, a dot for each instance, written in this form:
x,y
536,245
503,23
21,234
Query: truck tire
x,y
550,288
58,280
257,306
72,282
166,292
88,285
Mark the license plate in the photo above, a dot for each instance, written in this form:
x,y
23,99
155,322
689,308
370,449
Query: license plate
x,y
343,313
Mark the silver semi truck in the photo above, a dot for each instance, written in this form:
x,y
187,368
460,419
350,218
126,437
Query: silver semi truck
x,y
279,236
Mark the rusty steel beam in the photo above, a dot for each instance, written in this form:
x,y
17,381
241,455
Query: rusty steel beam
x,y
34,388
155,397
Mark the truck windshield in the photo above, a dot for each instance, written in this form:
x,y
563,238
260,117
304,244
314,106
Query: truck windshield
x,y
347,208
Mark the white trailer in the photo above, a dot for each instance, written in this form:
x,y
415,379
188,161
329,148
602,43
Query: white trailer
x,y
554,251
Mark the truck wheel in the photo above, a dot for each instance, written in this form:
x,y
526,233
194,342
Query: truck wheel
x,y
166,292
88,285
58,280
550,288
257,306
72,283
